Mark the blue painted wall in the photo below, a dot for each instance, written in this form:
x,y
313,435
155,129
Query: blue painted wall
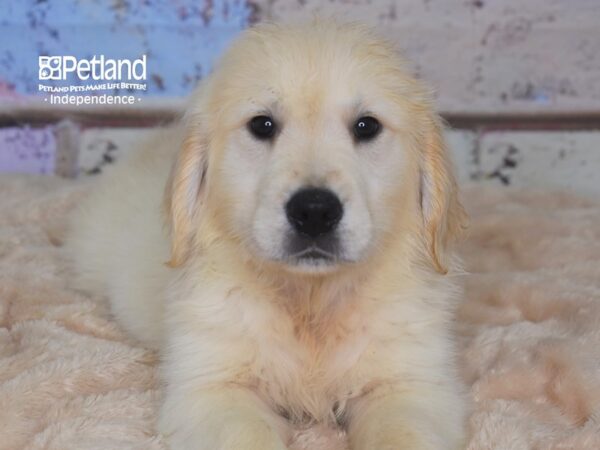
x,y
181,38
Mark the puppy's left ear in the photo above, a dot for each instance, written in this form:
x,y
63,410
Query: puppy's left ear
x,y
444,218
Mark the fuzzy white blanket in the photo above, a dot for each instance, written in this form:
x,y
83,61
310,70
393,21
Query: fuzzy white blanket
x,y
529,330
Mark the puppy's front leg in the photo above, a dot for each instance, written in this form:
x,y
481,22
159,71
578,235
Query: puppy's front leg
x,y
388,419
219,419
208,403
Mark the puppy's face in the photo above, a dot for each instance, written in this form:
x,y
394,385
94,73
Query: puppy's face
x,y
310,168
311,140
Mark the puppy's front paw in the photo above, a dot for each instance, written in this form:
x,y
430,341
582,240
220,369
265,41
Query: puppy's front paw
x,y
219,429
392,423
250,435
398,439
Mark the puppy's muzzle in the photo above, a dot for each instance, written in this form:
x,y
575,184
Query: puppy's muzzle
x,y
314,212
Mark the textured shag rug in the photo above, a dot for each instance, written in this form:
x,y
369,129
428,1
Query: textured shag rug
x,y
529,330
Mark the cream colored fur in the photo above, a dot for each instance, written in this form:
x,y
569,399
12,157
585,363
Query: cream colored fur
x,y
251,345
71,378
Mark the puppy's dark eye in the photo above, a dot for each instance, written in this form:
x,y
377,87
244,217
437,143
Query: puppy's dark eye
x,y
366,128
262,127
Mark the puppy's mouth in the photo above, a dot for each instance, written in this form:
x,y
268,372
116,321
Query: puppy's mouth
x,y
313,253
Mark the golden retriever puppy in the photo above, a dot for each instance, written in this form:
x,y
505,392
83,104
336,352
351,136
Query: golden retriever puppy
x,y
295,270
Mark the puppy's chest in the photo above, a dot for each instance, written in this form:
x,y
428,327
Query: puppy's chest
x,y
308,365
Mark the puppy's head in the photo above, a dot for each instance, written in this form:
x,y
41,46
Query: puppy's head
x,y
311,147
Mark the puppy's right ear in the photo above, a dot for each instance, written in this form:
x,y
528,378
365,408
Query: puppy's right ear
x,y
185,190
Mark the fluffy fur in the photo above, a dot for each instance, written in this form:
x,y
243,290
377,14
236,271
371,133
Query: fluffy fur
x,y
252,343
70,378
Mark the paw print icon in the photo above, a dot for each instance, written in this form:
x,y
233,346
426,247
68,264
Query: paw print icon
x,y
50,67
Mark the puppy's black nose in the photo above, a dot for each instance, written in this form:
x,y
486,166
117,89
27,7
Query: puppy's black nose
x,y
314,211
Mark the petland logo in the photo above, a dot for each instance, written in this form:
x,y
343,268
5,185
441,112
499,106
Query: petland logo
x,y
93,75
97,68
